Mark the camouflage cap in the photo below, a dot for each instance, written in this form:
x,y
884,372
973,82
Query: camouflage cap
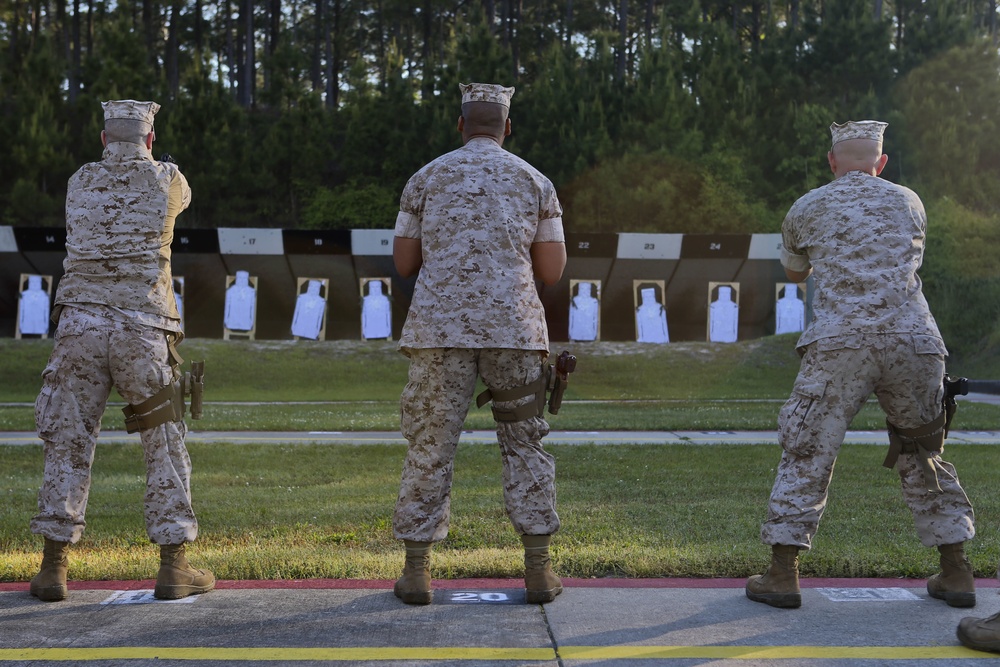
x,y
130,110
486,92
857,129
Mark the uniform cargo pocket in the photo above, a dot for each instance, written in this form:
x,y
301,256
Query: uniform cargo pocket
x,y
929,345
67,327
793,419
44,414
846,342
409,419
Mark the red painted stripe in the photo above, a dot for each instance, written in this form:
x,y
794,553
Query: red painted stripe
x,y
479,584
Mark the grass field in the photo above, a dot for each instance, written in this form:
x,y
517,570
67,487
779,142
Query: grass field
x,y
275,511
376,371
621,386
282,512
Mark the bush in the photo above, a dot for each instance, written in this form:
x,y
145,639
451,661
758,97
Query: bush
x,y
661,194
352,206
31,208
961,282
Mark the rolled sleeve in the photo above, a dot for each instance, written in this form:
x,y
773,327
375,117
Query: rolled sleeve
x,y
794,262
407,225
550,230
793,255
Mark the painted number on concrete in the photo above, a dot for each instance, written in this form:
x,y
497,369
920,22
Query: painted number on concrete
x,y
480,597
142,597
868,594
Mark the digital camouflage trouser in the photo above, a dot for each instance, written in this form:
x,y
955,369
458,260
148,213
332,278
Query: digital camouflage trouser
x,y
836,378
433,408
93,354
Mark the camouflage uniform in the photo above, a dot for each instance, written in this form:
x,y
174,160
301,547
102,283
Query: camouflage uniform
x,y
117,314
475,313
872,331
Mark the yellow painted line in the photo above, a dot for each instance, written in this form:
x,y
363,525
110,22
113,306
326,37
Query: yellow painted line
x,y
772,652
287,654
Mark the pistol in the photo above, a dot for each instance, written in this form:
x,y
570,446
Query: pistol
x,y
559,379
194,380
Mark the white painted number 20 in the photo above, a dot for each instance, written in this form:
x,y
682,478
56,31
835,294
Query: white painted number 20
x,y
471,596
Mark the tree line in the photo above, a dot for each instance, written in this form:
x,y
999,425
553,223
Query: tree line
x,y
648,115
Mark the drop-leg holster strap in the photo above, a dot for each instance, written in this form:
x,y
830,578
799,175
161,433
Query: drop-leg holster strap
x,y
926,441
158,409
521,412
175,358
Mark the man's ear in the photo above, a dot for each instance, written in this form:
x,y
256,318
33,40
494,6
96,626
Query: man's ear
x,y
506,128
150,138
832,161
461,123
880,165
104,138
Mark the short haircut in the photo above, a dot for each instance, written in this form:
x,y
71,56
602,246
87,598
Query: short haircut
x,y
858,150
485,117
127,130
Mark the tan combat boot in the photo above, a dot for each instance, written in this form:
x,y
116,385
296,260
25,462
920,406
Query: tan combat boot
x,y
414,586
955,583
779,586
49,584
176,578
982,634
540,584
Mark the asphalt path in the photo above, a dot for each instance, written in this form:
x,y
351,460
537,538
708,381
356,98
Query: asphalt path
x,y
606,622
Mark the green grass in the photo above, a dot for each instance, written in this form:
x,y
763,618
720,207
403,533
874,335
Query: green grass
x,y
278,512
620,386
375,371
574,416
347,370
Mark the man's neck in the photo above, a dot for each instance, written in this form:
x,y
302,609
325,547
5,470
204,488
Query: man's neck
x,y
483,136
